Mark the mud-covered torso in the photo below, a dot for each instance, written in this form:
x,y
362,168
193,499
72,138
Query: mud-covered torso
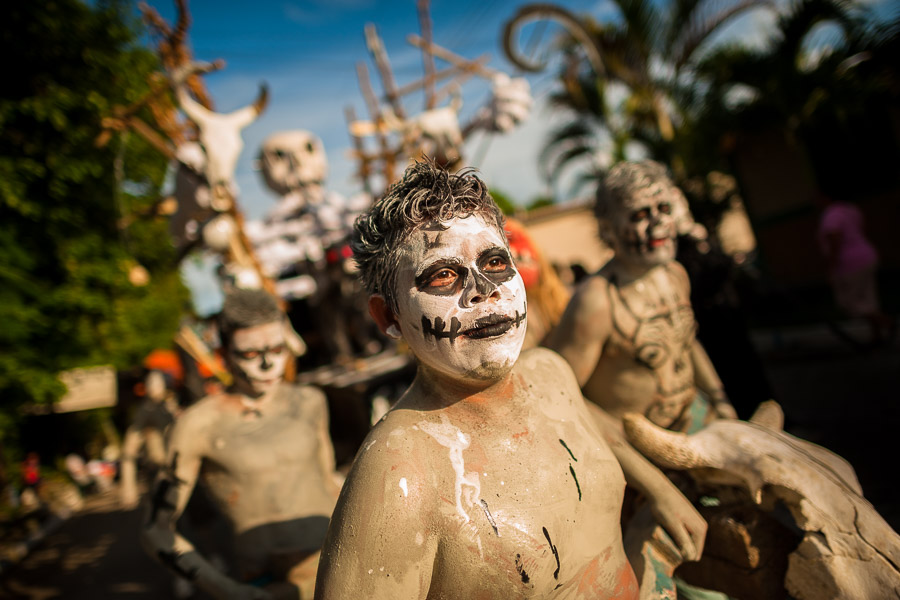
x,y
524,505
264,471
646,363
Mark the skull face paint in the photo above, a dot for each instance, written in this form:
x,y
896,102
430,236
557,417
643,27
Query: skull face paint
x,y
643,225
258,356
461,302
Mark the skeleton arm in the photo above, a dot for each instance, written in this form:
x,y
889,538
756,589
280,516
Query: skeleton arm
x,y
170,495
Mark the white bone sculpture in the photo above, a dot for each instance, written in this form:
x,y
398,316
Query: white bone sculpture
x,y
848,551
204,178
308,219
437,132
220,134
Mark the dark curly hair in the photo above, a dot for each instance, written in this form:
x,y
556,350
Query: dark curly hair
x,y
426,193
246,308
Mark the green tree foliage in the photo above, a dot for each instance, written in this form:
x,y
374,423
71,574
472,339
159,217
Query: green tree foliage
x,y
65,296
647,52
838,99
507,206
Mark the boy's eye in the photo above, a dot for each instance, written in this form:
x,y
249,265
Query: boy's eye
x,y
443,278
640,215
496,264
276,349
249,355
665,208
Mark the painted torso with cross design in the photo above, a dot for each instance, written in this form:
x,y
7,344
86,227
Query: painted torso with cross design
x,y
645,365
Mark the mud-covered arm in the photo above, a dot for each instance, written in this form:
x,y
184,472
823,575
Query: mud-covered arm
x,y
168,498
707,381
672,510
333,479
379,544
583,329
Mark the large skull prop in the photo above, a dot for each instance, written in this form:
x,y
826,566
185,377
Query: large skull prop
x,y
290,160
847,550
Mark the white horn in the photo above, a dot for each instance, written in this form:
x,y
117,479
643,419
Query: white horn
x,y
668,449
769,415
193,109
244,116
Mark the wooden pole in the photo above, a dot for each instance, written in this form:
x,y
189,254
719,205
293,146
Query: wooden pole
x,y
376,47
365,86
427,57
450,57
364,166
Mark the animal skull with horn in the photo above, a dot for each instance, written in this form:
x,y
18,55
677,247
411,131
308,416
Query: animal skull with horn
x,y
847,550
219,134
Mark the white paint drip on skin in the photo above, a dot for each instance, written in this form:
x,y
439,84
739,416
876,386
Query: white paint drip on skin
x,y
369,445
450,436
393,332
403,487
420,539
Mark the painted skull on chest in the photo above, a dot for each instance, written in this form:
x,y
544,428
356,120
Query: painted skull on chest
x,y
258,356
461,302
643,225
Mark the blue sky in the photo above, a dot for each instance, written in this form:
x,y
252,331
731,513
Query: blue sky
x,y
306,51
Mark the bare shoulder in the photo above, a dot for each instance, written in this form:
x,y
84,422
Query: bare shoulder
x,y
201,417
677,271
545,368
391,465
594,290
309,399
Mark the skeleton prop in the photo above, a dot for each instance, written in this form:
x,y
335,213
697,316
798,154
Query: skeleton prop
x,y
204,178
847,550
220,134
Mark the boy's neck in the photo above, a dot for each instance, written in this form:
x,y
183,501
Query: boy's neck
x,y
431,390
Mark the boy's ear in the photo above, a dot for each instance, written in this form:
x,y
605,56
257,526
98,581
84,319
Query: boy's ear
x,y
384,316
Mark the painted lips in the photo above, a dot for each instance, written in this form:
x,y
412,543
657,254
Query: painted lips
x,y
493,325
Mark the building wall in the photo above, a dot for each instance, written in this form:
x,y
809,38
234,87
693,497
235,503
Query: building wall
x,y
567,234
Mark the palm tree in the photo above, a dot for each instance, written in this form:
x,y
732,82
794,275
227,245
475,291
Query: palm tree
x,y
835,101
643,58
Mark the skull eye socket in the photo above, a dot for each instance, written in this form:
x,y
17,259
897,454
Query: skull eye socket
x,y
651,355
279,153
640,215
310,148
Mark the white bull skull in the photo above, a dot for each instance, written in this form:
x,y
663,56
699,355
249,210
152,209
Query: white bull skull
x,y
220,134
291,160
847,552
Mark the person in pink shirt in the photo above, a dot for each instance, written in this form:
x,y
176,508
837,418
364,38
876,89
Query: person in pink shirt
x,y
852,262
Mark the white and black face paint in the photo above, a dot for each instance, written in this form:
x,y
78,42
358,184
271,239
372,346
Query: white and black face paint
x,y
643,226
258,356
461,302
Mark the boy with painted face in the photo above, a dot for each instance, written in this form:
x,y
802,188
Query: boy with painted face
x,y
489,478
628,333
265,455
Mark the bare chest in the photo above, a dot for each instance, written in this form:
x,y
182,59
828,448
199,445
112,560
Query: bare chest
x,y
246,445
513,509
